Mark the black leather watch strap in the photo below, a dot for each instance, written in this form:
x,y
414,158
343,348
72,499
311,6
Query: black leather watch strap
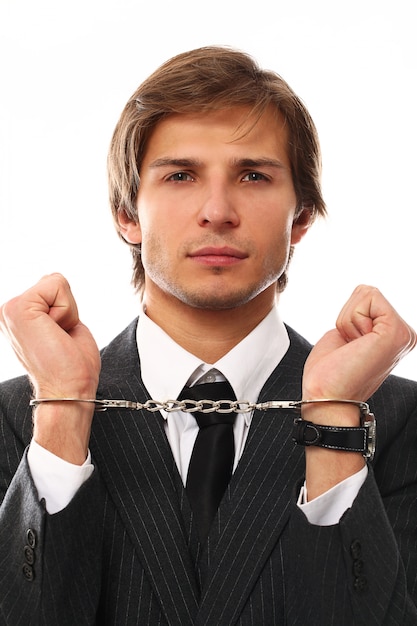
x,y
351,439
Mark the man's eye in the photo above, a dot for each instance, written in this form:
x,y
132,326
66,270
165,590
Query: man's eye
x,y
253,177
179,177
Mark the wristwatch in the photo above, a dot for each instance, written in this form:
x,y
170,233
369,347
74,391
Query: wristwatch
x,y
351,439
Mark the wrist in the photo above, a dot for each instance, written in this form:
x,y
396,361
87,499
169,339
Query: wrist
x,y
64,429
339,431
76,389
331,413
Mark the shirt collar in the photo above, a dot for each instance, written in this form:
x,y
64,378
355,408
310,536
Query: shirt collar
x,y
166,366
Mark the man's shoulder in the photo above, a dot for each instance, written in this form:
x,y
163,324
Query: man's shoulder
x,y
122,343
15,410
397,392
120,358
15,390
297,341
298,350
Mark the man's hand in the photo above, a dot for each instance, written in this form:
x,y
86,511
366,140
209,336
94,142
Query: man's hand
x,y
62,360
350,363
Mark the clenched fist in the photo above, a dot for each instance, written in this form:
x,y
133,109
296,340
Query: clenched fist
x,y
62,360
350,362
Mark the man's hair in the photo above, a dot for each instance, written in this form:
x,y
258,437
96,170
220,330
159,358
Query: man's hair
x,y
202,80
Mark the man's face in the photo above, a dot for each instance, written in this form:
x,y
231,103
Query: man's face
x,y
215,209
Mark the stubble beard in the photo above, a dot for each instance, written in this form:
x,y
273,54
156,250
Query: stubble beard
x,y
220,295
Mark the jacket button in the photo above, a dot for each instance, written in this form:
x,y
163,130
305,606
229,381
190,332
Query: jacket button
x,y
29,555
360,583
356,549
28,572
31,537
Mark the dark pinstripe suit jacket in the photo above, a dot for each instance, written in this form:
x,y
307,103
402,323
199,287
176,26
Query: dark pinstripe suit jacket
x,y
125,550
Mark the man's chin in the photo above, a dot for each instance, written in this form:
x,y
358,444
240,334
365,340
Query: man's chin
x,y
217,301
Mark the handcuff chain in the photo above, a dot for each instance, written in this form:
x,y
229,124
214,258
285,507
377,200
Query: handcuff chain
x,y
192,406
203,406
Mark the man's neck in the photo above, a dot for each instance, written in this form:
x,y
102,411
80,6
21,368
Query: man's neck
x,y
207,334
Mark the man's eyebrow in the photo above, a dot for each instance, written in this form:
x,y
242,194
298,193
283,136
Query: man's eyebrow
x,y
258,162
243,162
174,162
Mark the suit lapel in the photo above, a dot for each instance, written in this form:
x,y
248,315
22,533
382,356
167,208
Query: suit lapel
x,y
135,462
255,510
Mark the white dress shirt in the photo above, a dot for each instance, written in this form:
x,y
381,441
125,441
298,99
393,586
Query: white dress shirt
x,y
247,367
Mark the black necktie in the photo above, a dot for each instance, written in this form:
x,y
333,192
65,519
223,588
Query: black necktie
x,y
212,458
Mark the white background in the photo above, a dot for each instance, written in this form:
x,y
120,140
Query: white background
x,y
67,70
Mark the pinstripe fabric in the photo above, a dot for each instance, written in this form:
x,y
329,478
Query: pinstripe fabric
x,y
125,550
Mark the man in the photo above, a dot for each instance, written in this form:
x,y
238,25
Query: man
x,y
214,178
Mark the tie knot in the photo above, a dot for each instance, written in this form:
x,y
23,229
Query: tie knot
x,y
210,391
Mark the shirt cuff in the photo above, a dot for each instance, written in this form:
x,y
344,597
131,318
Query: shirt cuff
x,y
327,509
55,479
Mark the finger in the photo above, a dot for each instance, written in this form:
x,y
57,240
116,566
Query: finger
x,y
368,312
354,320
58,297
51,298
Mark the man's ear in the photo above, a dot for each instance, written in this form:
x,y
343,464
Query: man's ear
x,y
301,224
128,228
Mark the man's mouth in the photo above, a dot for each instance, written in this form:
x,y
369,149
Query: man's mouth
x,y
222,255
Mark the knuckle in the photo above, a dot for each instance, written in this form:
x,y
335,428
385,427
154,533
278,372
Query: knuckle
x,y
364,289
57,278
9,309
405,336
412,337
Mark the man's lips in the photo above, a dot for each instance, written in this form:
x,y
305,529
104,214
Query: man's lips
x,y
212,255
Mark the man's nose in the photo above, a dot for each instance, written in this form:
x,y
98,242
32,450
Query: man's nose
x,y
218,207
